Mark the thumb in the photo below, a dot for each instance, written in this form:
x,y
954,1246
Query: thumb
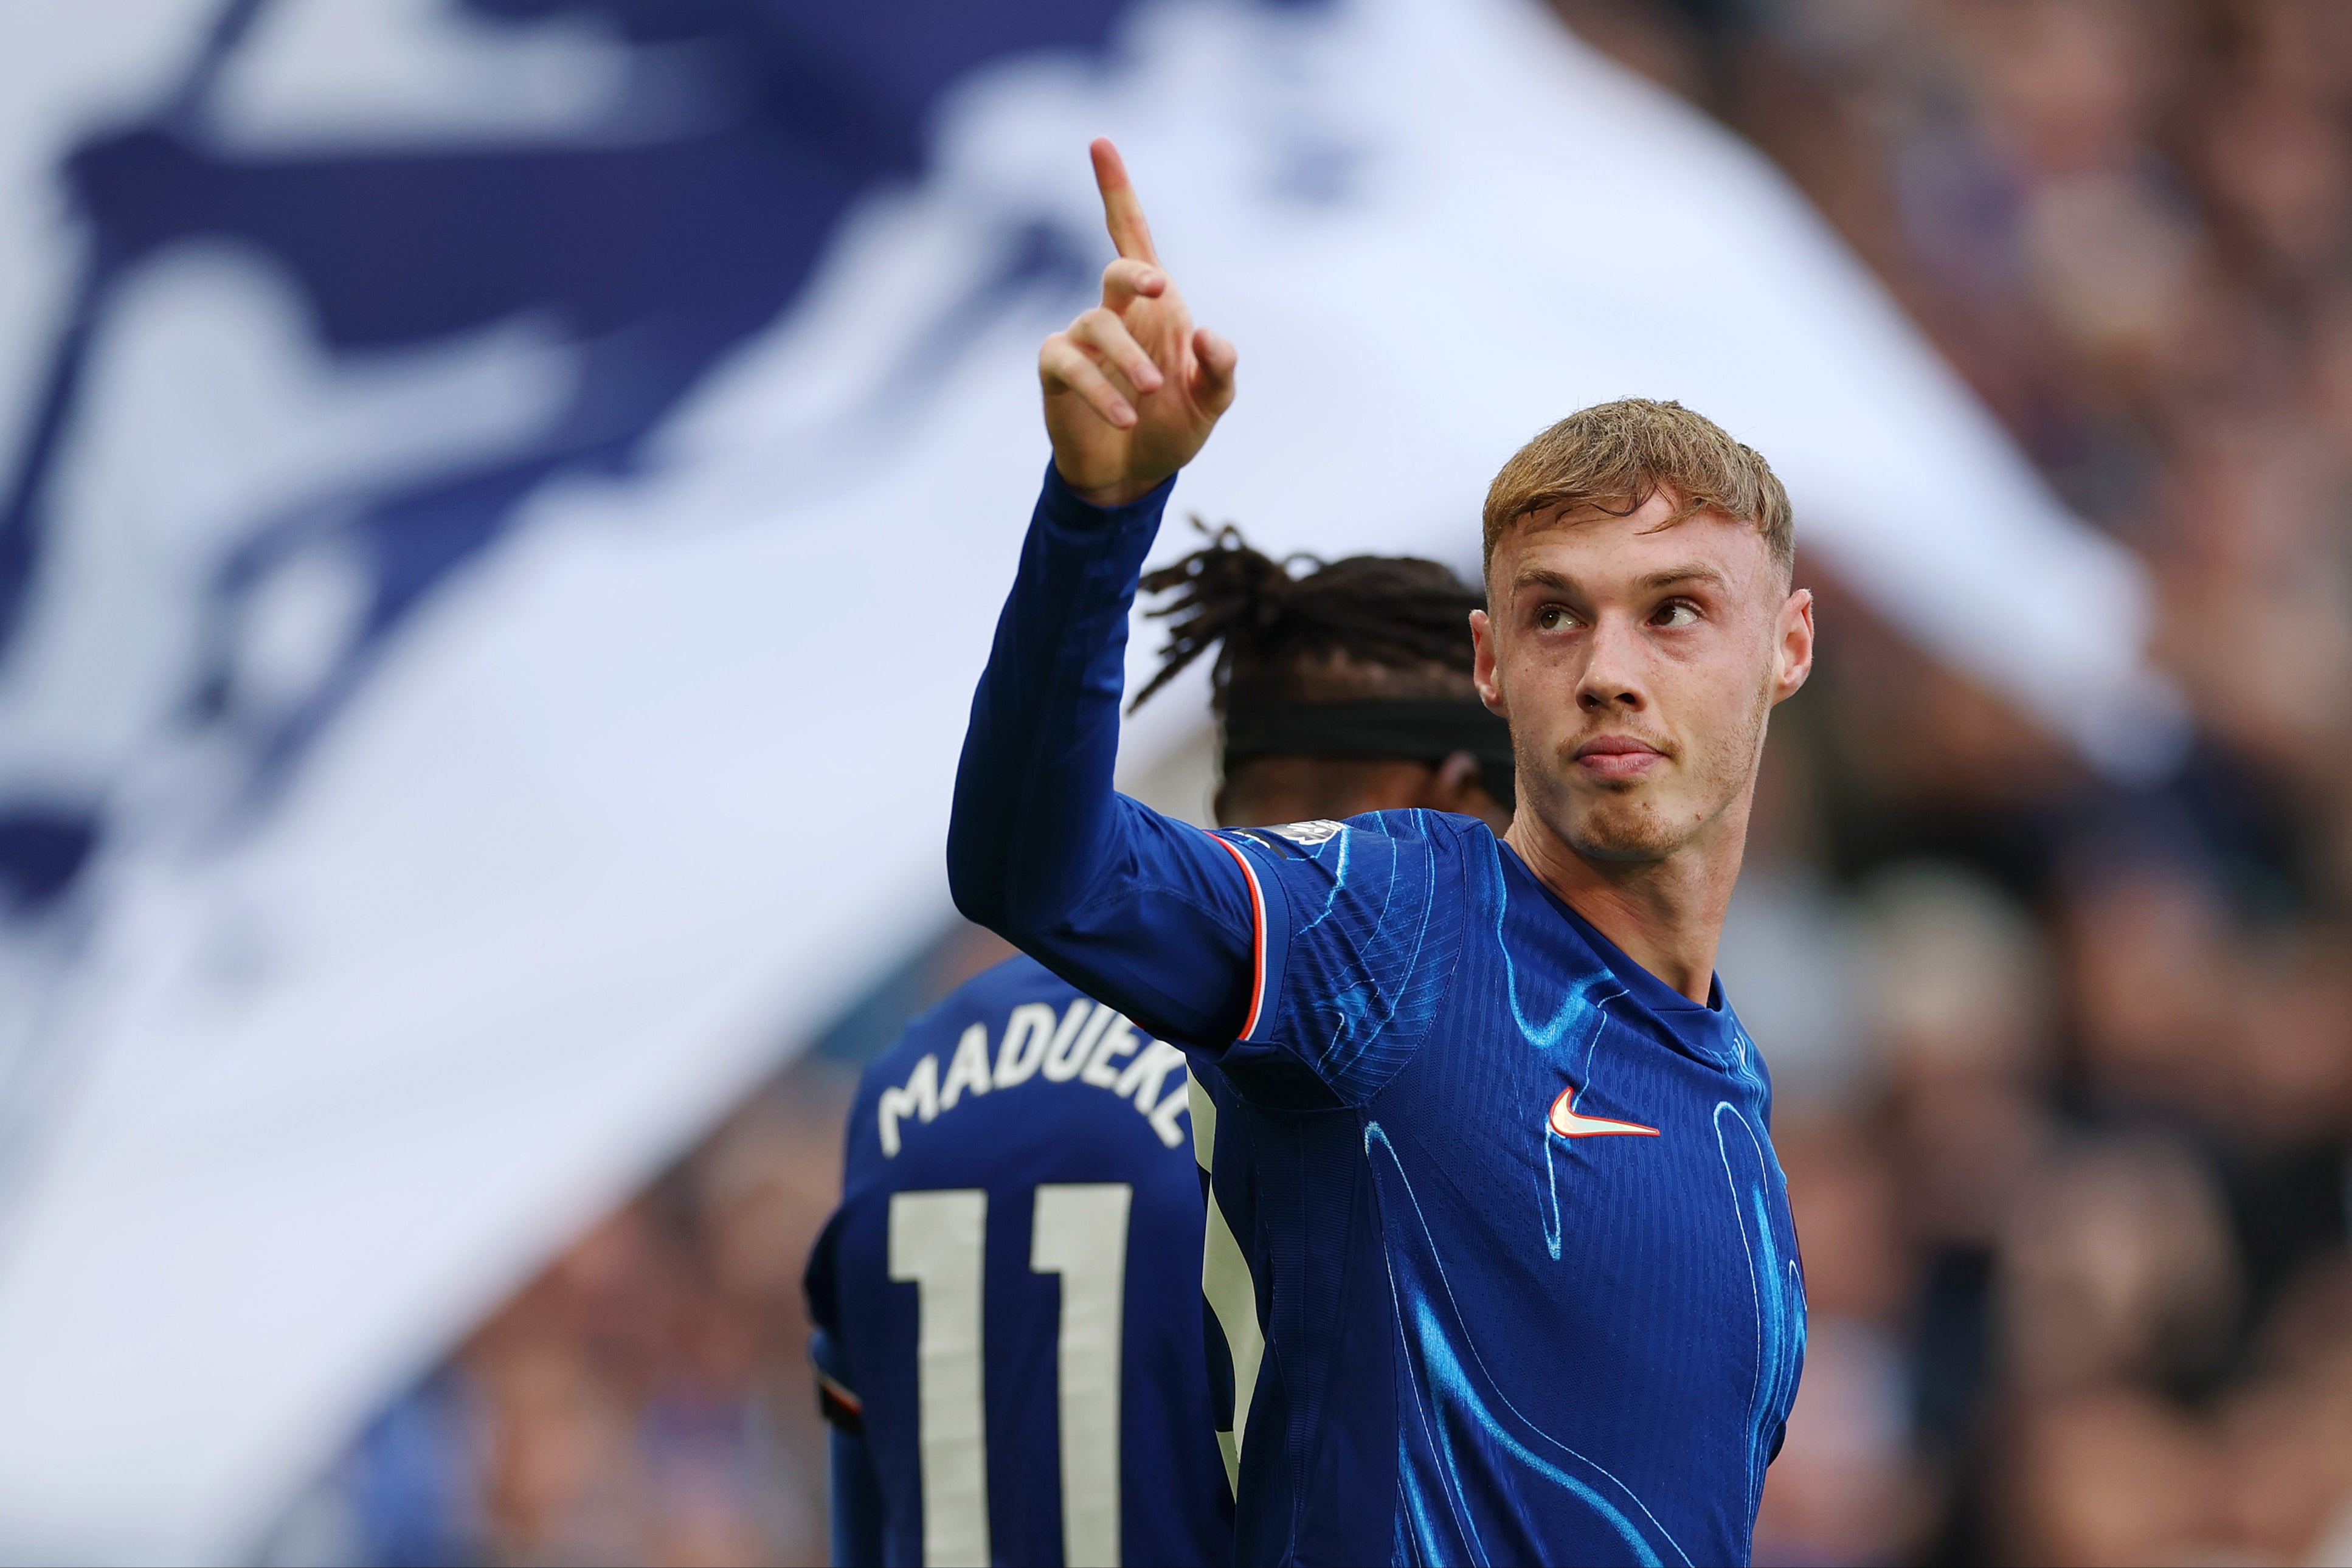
x,y
1212,378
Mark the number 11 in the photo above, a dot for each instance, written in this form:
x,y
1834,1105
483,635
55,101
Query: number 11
x,y
938,1242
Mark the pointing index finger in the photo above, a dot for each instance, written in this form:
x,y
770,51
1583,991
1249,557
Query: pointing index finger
x,y
1122,211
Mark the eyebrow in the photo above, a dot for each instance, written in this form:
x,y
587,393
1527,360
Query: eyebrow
x,y
1696,572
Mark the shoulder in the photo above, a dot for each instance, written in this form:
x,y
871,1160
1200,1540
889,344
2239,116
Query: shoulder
x,y
989,999
1388,860
1017,979
1388,835
1015,1029
1360,937
985,998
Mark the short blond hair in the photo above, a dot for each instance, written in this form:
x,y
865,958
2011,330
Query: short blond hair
x,y
1614,456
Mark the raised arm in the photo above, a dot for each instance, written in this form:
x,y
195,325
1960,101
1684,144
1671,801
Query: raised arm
x,y
1148,915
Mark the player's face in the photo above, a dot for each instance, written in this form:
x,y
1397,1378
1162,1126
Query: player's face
x,y
1637,665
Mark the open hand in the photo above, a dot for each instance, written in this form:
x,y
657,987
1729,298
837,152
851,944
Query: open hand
x,y
1132,388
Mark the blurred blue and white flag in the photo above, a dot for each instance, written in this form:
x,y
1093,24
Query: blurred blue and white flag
x,y
506,499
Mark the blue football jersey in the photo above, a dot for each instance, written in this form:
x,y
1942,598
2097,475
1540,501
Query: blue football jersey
x,y
1499,1227
1500,1253
1007,1301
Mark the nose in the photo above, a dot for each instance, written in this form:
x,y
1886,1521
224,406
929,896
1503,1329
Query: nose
x,y
1612,679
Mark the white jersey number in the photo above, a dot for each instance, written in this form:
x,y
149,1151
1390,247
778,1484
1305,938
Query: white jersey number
x,y
939,1241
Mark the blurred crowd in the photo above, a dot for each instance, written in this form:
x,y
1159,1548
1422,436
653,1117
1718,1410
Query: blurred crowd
x,y
2065,1066
2070,1168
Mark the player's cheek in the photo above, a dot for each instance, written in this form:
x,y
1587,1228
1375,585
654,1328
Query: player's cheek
x,y
1536,682
1729,714
1562,717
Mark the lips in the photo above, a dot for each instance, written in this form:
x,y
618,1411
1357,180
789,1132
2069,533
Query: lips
x,y
1617,756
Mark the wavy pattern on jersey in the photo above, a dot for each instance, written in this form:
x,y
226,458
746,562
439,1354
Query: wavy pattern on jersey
x,y
1569,1033
1748,1171
1373,980
1486,1511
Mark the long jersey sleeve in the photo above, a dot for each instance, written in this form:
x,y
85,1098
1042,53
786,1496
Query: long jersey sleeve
x,y
1152,915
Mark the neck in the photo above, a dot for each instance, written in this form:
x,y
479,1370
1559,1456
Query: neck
x,y
1666,915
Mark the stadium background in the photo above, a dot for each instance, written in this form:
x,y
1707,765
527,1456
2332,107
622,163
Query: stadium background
x,y
2064,1064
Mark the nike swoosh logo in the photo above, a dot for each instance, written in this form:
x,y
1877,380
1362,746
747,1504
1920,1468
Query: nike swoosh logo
x,y
1569,1124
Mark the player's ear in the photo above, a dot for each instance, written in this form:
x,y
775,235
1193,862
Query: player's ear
x,y
1485,669
1458,784
1792,652
1449,781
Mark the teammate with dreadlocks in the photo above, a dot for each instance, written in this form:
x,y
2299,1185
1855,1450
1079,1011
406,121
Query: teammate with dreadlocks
x,y
1010,1334
1343,691
1491,1146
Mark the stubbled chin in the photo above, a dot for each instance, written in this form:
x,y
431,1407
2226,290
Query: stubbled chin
x,y
1619,830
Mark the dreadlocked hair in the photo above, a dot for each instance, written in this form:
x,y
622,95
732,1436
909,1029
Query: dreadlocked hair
x,y
1370,625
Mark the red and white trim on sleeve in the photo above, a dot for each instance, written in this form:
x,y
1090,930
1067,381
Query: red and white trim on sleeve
x,y
839,1405
1257,937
